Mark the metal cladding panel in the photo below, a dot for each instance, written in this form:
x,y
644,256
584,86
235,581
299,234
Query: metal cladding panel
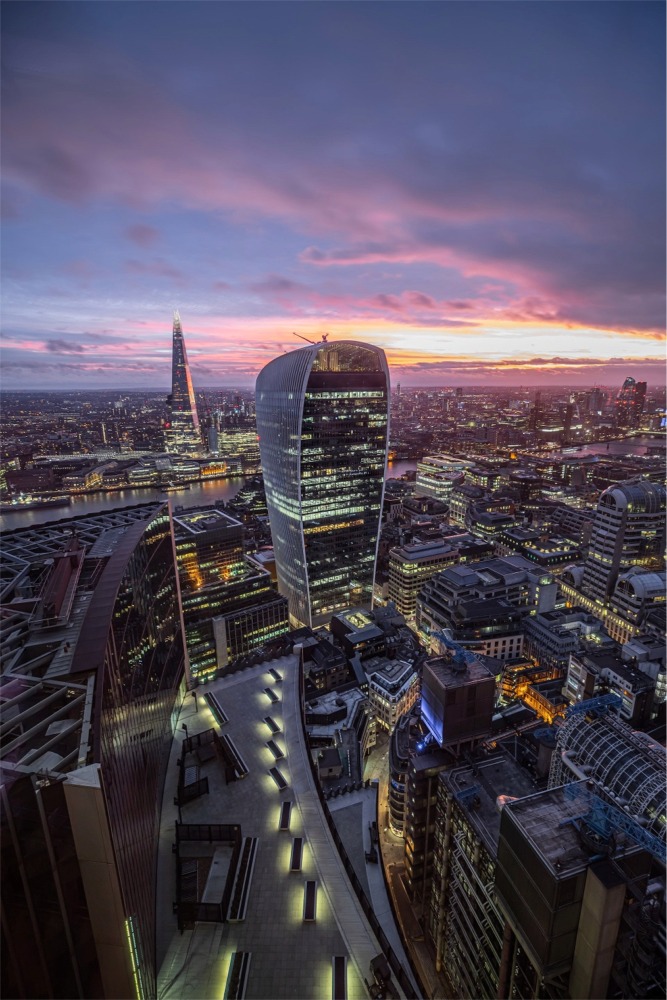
x,y
323,422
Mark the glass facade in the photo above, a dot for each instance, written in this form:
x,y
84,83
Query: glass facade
x,y
264,614
131,636
184,435
322,417
209,548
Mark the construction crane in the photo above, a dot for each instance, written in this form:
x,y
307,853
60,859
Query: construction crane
x,y
325,337
595,706
603,821
462,657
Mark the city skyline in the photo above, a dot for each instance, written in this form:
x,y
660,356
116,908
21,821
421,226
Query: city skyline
x,y
477,189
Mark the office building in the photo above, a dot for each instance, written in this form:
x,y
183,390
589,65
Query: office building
x,y
437,475
629,404
342,721
550,637
550,553
637,592
322,419
462,499
230,605
462,918
183,434
91,689
393,688
628,530
484,603
591,673
458,694
579,886
410,566
228,619
209,547
539,893
402,747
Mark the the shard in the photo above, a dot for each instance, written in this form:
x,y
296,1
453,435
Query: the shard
x,y
183,436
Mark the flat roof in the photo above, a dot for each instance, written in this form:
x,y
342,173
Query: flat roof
x,y
290,957
200,521
501,775
446,673
543,819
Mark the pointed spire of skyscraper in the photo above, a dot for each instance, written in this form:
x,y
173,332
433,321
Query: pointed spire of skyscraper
x,y
184,436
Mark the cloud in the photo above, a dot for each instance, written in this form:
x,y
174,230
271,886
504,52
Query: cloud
x,y
520,152
158,267
454,304
422,301
57,346
142,235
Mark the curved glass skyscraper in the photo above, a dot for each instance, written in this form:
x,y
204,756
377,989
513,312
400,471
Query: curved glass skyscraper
x,y
323,421
184,436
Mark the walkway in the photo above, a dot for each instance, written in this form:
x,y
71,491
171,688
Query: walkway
x,y
290,958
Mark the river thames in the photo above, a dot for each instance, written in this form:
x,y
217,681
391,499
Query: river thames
x,y
95,503
225,489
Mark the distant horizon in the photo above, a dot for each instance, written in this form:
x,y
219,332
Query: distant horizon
x,y
650,387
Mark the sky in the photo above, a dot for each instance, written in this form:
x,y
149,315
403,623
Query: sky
x,y
476,187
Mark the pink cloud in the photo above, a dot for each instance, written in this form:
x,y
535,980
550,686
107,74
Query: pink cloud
x,y
142,235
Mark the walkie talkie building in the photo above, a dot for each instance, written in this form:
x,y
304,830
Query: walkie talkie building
x,y
323,421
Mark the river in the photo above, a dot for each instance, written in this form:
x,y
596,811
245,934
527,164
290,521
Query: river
x,y
95,503
397,469
225,489
638,445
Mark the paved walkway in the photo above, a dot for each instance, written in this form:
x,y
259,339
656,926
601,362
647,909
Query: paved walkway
x,y
290,958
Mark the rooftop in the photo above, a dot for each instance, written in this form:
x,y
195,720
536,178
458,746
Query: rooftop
x,y
290,957
477,787
546,821
449,674
200,521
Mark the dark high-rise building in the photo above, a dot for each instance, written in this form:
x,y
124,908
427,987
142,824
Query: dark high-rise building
x,y
457,699
90,697
184,436
322,419
536,412
577,883
630,403
596,401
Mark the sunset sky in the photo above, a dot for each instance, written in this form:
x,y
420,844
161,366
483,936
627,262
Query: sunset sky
x,y
476,187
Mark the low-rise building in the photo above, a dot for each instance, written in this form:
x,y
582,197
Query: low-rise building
x,y
550,637
448,598
410,565
437,475
393,688
344,721
590,674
